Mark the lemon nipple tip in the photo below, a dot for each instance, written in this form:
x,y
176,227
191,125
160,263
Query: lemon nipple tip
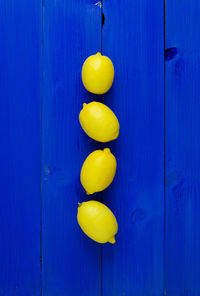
x,y
107,150
112,240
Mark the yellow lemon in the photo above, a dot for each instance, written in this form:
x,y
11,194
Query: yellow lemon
x,y
98,170
97,74
97,221
99,122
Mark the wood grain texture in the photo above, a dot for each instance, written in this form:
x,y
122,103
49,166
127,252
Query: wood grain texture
x,y
133,38
71,261
182,203
20,156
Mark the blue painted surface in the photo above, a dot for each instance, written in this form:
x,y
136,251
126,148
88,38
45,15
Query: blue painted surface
x,y
182,203
20,158
133,38
43,46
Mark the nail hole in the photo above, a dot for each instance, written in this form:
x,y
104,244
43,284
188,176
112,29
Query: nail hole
x,y
102,19
99,4
170,53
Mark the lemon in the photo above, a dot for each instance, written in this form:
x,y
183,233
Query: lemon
x,y
97,221
98,170
99,122
97,74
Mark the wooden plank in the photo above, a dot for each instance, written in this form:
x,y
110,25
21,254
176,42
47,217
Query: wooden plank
x,y
71,261
20,154
133,36
182,148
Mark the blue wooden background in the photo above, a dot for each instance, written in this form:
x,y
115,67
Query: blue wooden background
x,y
155,48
